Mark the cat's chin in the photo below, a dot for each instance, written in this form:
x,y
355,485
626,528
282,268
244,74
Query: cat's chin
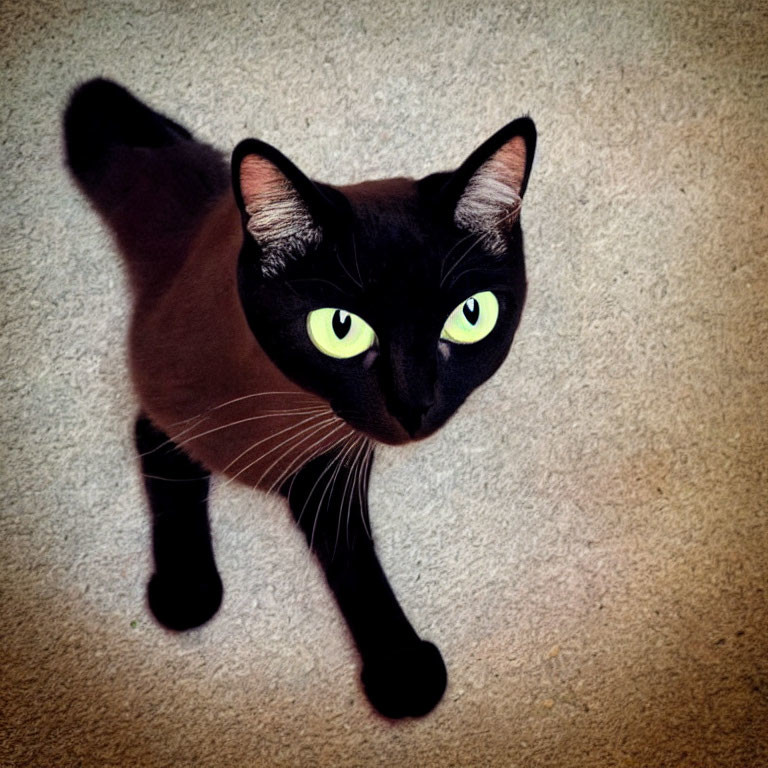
x,y
400,439
392,433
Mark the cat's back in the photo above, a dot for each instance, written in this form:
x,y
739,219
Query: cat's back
x,y
147,177
199,373
189,343
203,378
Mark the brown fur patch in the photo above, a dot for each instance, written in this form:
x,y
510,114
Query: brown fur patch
x,y
203,378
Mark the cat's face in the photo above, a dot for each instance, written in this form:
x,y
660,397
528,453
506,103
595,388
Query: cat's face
x,y
392,299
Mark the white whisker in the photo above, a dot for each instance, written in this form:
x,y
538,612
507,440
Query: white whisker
x,y
237,400
169,440
311,416
451,250
364,482
350,449
319,478
313,430
258,394
357,263
360,446
463,255
247,419
356,489
313,455
339,460
309,428
304,451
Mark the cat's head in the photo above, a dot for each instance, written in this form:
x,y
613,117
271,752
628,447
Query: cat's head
x,y
391,299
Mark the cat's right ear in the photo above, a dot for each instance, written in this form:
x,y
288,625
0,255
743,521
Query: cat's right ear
x,y
282,210
485,194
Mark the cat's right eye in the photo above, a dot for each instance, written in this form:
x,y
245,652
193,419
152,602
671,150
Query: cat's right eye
x,y
338,333
472,320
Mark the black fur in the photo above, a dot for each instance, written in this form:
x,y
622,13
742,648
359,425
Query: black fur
x,y
390,252
402,264
402,674
185,589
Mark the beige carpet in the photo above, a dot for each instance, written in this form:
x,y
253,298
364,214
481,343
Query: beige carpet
x,y
587,541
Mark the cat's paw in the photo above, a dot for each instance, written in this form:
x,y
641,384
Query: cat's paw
x,y
184,602
406,683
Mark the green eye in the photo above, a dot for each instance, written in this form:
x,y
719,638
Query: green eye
x,y
472,320
338,333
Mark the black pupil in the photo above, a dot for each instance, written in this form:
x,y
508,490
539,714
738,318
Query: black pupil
x,y
471,310
341,327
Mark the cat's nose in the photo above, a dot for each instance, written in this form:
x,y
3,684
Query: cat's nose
x,y
411,415
412,382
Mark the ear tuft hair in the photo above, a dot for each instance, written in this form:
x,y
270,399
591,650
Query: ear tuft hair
x,y
276,213
489,186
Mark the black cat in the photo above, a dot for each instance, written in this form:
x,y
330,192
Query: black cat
x,y
282,326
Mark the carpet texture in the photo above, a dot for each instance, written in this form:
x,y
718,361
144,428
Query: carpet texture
x,y
587,541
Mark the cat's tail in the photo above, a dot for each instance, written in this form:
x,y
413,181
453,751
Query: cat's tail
x,y
145,174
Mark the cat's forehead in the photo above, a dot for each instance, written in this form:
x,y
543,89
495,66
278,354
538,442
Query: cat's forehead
x,y
385,205
395,254
390,215
375,193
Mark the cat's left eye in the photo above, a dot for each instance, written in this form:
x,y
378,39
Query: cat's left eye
x,y
338,333
472,320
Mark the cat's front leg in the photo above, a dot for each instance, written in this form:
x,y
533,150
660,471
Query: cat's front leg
x,y
403,675
185,589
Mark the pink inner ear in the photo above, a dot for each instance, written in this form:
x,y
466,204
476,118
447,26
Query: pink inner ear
x,y
278,218
490,204
258,179
511,159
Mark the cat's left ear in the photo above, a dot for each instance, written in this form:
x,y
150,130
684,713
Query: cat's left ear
x,y
485,194
282,210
